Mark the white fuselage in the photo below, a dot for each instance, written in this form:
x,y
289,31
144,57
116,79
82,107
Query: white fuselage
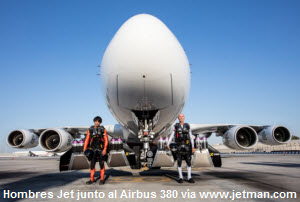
x,y
145,70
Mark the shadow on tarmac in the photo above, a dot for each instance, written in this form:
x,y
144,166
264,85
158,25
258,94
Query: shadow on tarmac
x,y
292,165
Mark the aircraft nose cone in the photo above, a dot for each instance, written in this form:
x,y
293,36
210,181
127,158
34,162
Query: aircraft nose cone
x,y
144,44
144,61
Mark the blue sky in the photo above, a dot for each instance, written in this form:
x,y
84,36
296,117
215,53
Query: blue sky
x,y
245,58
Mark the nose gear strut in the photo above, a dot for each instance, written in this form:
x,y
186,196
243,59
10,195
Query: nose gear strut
x,y
145,135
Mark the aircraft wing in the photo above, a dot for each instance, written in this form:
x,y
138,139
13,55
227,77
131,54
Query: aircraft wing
x,y
240,136
56,139
74,130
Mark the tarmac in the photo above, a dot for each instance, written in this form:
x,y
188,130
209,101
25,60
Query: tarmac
x,y
239,176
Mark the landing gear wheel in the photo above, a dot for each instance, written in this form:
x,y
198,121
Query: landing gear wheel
x,y
155,168
137,151
217,160
215,156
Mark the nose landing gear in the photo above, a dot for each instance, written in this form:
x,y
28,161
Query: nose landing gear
x,y
145,120
145,135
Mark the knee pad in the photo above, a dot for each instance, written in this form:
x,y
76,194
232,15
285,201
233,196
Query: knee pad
x,y
179,161
101,163
188,161
92,165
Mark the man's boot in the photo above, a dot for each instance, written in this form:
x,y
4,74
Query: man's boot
x,y
90,182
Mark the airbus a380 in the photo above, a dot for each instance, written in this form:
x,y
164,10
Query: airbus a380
x,y
145,75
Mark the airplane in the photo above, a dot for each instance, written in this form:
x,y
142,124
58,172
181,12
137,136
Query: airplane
x,y
145,76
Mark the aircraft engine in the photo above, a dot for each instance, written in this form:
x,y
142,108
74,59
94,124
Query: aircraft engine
x,y
240,138
55,140
23,139
274,135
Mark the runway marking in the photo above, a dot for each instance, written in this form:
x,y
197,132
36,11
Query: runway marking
x,y
140,179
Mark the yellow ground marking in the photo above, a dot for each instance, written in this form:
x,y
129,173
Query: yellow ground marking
x,y
144,168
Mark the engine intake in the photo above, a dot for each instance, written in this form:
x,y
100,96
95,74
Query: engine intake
x,y
55,140
240,138
23,139
274,135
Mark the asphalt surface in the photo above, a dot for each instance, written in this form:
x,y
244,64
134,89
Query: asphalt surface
x,y
239,173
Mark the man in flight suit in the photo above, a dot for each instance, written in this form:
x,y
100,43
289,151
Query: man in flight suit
x,y
97,141
185,146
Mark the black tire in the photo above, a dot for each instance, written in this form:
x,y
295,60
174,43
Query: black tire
x,y
155,168
65,160
217,160
137,151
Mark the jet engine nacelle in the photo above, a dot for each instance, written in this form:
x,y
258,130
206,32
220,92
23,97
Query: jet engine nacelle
x,y
240,138
55,140
23,139
274,135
